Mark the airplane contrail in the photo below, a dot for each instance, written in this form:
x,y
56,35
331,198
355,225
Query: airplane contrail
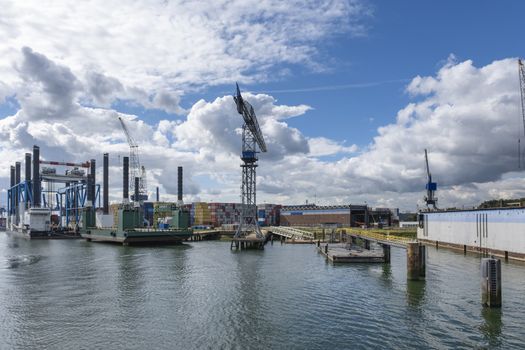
x,y
335,87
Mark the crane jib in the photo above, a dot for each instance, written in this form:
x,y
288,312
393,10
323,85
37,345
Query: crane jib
x,y
250,120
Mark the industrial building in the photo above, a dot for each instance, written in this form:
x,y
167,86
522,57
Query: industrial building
x,y
216,214
337,215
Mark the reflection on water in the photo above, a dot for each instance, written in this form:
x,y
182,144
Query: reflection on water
x,y
491,327
22,260
76,294
415,293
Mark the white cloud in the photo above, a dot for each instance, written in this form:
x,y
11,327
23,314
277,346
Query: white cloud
x,y
321,146
153,51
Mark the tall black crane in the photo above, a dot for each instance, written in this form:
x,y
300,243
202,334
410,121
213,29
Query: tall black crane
x,y
430,186
251,138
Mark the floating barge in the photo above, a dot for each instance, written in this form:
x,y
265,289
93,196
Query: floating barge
x,y
137,236
346,253
127,226
128,230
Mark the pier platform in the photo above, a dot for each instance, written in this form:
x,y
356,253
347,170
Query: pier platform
x,y
345,253
250,241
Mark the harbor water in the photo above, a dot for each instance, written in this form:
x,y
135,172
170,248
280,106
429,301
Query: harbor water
x,y
73,294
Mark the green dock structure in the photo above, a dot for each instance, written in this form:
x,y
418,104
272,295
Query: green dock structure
x,y
129,231
128,224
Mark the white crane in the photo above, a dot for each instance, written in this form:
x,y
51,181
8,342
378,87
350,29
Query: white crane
x,y
136,170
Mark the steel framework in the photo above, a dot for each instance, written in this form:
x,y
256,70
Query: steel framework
x,y
431,187
135,170
251,138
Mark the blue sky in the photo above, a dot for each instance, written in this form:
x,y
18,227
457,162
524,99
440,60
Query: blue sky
x,y
404,39
351,61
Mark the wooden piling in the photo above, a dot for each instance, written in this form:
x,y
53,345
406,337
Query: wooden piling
x,y
386,253
416,256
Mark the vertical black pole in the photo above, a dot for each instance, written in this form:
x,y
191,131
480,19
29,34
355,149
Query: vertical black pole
x,y
12,183
125,179
89,190
17,192
137,180
105,179
36,176
179,183
93,171
28,167
12,177
27,177
158,194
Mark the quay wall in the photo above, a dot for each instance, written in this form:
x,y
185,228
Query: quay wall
x,y
498,231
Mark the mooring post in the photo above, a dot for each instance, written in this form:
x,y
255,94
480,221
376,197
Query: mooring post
x,y
416,256
491,282
422,260
318,243
386,253
326,249
367,244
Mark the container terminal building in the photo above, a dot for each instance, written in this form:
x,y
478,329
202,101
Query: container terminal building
x,y
228,215
338,215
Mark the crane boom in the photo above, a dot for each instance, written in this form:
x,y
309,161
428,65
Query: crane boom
x,y
248,114
131,140
136,170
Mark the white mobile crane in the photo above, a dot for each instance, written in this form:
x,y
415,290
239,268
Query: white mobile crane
x,y
135,169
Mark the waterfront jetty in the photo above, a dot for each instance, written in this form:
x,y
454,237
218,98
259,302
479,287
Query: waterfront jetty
x,y
349,253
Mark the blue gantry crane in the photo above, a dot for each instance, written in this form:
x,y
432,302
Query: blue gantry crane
x,y
431,187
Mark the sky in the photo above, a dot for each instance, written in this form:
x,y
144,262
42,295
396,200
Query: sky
x,y
348,93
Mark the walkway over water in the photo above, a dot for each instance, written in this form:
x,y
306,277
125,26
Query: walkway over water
x,y
291,232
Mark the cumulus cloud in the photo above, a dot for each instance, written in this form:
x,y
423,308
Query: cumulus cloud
x,y
153,51
467,117
49,89
207,143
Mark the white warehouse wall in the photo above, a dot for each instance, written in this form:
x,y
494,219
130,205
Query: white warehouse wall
x,y
498,229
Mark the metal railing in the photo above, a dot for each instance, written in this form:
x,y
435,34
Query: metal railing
x,y
291,233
